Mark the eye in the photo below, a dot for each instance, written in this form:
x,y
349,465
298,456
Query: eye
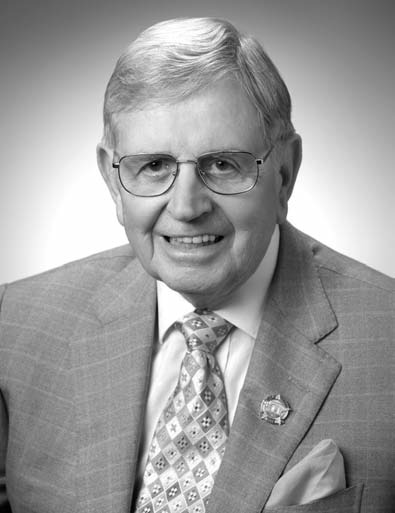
x,y
219,164
223,165
155,166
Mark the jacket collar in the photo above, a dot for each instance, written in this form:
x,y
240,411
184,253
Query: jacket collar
x,y
297,290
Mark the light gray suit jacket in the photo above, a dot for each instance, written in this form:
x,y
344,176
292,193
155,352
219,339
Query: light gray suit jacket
x,y
75,352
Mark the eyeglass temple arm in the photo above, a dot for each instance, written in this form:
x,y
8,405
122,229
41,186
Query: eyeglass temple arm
x,y
263,159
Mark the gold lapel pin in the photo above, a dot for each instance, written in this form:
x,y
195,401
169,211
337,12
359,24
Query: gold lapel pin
x,y
274,409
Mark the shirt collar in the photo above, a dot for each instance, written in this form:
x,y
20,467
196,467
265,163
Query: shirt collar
x,y
244,309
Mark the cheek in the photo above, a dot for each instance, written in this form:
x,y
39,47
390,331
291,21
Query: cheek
x,y
139,218
254,224
254,218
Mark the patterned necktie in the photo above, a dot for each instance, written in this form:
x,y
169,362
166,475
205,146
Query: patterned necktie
x,y
189,440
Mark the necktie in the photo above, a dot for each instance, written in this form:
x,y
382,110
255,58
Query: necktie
x,y
189,440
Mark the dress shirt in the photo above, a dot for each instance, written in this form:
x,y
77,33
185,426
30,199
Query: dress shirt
x,y
243,310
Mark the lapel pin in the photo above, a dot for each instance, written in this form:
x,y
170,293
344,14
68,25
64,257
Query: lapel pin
x,y
274,409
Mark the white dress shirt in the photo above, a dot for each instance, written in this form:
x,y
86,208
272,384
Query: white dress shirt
x,y
243,310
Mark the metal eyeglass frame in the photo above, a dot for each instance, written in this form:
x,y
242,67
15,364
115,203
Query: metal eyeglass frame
x,y
259,161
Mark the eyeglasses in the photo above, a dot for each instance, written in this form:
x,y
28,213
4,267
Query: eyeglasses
x,y
223,172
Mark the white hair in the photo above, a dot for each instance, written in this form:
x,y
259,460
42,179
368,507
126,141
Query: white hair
x,y
175,59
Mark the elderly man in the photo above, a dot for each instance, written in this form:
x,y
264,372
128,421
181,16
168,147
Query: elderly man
x,y
222,361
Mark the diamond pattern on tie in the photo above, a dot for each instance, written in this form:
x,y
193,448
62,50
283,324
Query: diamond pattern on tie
x,y
189,440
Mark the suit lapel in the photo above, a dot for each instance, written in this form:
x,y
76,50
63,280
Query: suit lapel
x,y
111,368
285,361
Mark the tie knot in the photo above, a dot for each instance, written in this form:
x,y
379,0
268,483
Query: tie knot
x,y
204,330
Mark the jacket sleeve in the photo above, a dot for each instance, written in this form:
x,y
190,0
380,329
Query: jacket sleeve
x,y
4,505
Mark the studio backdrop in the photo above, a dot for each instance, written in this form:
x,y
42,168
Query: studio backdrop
x,y
336,57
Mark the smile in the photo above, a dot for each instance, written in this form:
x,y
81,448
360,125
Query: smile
x,y
205,239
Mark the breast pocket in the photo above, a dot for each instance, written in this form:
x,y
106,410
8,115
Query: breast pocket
x,y
345,501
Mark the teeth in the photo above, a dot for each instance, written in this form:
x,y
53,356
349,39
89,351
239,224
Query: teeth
x,y
197,239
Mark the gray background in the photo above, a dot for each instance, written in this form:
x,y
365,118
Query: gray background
x,y
337,58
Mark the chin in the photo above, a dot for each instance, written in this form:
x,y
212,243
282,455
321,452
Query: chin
x,y
201,292
187,282
188,287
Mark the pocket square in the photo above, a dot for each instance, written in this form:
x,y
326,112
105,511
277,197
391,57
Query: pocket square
x,y
317,475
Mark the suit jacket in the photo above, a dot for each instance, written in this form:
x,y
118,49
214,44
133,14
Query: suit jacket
x,y
75,353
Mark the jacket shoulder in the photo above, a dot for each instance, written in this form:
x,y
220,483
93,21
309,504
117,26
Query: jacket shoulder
x,y
343,268
361,297
63,289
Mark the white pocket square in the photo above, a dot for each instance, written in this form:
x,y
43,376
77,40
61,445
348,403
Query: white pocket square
x,y
317,475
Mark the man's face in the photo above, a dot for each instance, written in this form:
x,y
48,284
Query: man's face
x,y
238,227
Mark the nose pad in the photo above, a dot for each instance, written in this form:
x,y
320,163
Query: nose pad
x,y
189,197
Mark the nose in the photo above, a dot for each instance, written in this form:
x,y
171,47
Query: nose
x,y
189,197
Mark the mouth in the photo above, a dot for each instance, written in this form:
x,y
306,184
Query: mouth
x,y
206,239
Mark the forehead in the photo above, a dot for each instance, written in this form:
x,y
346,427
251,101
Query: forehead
x,y
220,117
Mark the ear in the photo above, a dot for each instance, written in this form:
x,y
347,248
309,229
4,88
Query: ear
x,y
289,166
104,161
